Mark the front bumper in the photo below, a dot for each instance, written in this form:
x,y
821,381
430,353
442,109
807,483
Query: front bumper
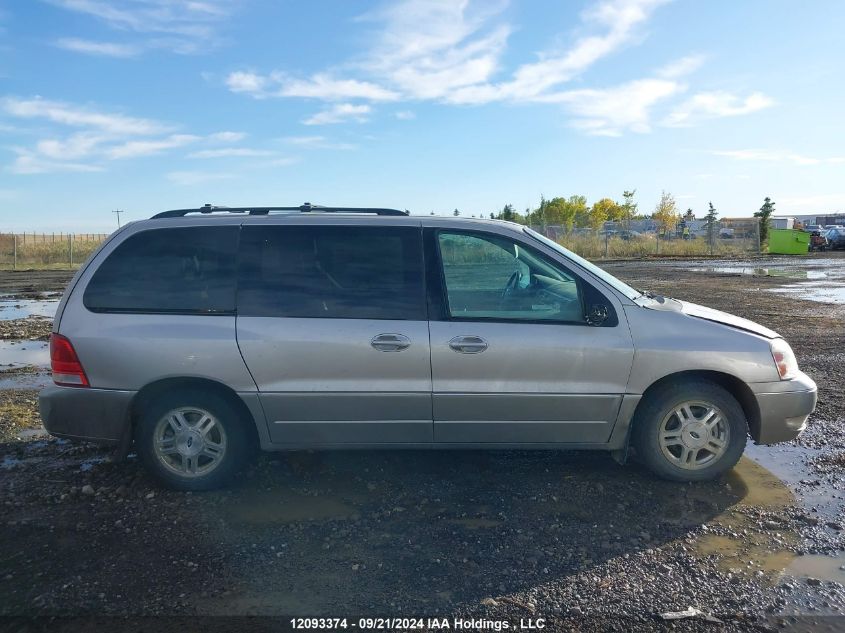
x,y
95,415
784,408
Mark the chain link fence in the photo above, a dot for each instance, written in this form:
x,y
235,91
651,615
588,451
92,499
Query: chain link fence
x,y
640,238
22,251
636,238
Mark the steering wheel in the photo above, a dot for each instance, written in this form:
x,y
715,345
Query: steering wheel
x,y
513,280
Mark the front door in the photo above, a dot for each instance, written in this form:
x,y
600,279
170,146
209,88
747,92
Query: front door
x,y
331,324
514,360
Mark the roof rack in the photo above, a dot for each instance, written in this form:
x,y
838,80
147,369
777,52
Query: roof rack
x,y
305,208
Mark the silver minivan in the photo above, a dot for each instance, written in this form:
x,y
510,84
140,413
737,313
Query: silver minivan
x,y
199,335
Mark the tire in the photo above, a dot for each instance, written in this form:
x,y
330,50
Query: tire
x,y
683,416
192,439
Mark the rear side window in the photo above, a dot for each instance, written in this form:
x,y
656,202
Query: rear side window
x,y
336,272
183,270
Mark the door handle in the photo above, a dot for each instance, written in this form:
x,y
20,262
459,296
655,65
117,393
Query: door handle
x,y
390,342
468,344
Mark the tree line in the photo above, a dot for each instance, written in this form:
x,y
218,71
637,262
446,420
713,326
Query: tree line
x,y
574,212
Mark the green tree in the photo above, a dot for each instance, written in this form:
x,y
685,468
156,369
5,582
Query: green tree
x,y
456,213
629,207
604,210
711,224
764,214
666,211
508,213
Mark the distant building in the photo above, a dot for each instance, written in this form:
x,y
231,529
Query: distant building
x,y
826,220
782,223
740,227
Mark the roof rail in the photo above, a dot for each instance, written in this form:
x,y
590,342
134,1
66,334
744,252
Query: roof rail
x,y
304,208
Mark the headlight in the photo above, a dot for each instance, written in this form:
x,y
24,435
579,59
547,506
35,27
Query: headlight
x,y
784,359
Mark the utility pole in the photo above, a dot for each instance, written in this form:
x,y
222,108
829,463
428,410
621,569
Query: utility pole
x,y
118,212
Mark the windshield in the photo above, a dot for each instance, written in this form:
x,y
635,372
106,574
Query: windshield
x,y
605,276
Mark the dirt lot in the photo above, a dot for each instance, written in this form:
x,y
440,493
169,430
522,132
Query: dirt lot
x,y
570,537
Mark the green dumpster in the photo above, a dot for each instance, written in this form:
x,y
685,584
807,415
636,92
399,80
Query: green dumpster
x,y
788,242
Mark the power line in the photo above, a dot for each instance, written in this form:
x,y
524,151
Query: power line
x,y
118,212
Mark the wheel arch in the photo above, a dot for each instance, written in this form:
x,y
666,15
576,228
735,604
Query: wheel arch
x,y
733,385
155,389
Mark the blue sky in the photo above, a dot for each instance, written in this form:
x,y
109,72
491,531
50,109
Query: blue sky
x,y
146,105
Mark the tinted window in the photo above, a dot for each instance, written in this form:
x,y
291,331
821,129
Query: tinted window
x,y
332,272
188,270
491,277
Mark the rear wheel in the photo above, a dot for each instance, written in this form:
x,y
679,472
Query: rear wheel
x,y
192,440
691,431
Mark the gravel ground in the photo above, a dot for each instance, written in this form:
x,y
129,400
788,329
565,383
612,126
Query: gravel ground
x,y
570,537
33,328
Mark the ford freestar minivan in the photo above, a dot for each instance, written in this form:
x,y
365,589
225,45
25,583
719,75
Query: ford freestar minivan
x,y
200,334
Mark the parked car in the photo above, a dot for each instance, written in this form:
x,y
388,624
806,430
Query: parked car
x,y
835,238
818,242
197,337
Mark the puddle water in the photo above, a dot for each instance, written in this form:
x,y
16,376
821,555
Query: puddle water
x,y
22,308
815,566
29,434
822,293
275,507
25,380
792,273
769,553
21,353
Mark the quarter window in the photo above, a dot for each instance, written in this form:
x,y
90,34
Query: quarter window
x,y
337,272
491,277
182,270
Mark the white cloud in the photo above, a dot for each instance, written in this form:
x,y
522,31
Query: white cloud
x,y
106,49
322,86
227,137
134,149
75,116
74,147
29,162
191,178
182,26
339,113
616,19
316,142
708,105
244,81
452,52
96,137
682,67
776,155
427,49
405,115
612,111
319,86
230,152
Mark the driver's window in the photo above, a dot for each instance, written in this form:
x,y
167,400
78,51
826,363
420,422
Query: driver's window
x,y
492,277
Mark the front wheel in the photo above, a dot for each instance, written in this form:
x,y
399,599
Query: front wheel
x,y
692,431
192,440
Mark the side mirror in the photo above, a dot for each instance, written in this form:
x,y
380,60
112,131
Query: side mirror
x,y
596,314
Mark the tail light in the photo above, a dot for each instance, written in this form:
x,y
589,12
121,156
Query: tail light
x,y
67,370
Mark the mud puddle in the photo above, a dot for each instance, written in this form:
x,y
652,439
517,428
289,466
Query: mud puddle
x,y
22,308
813,291
736,536
20,353
790,273
274,507
30,377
